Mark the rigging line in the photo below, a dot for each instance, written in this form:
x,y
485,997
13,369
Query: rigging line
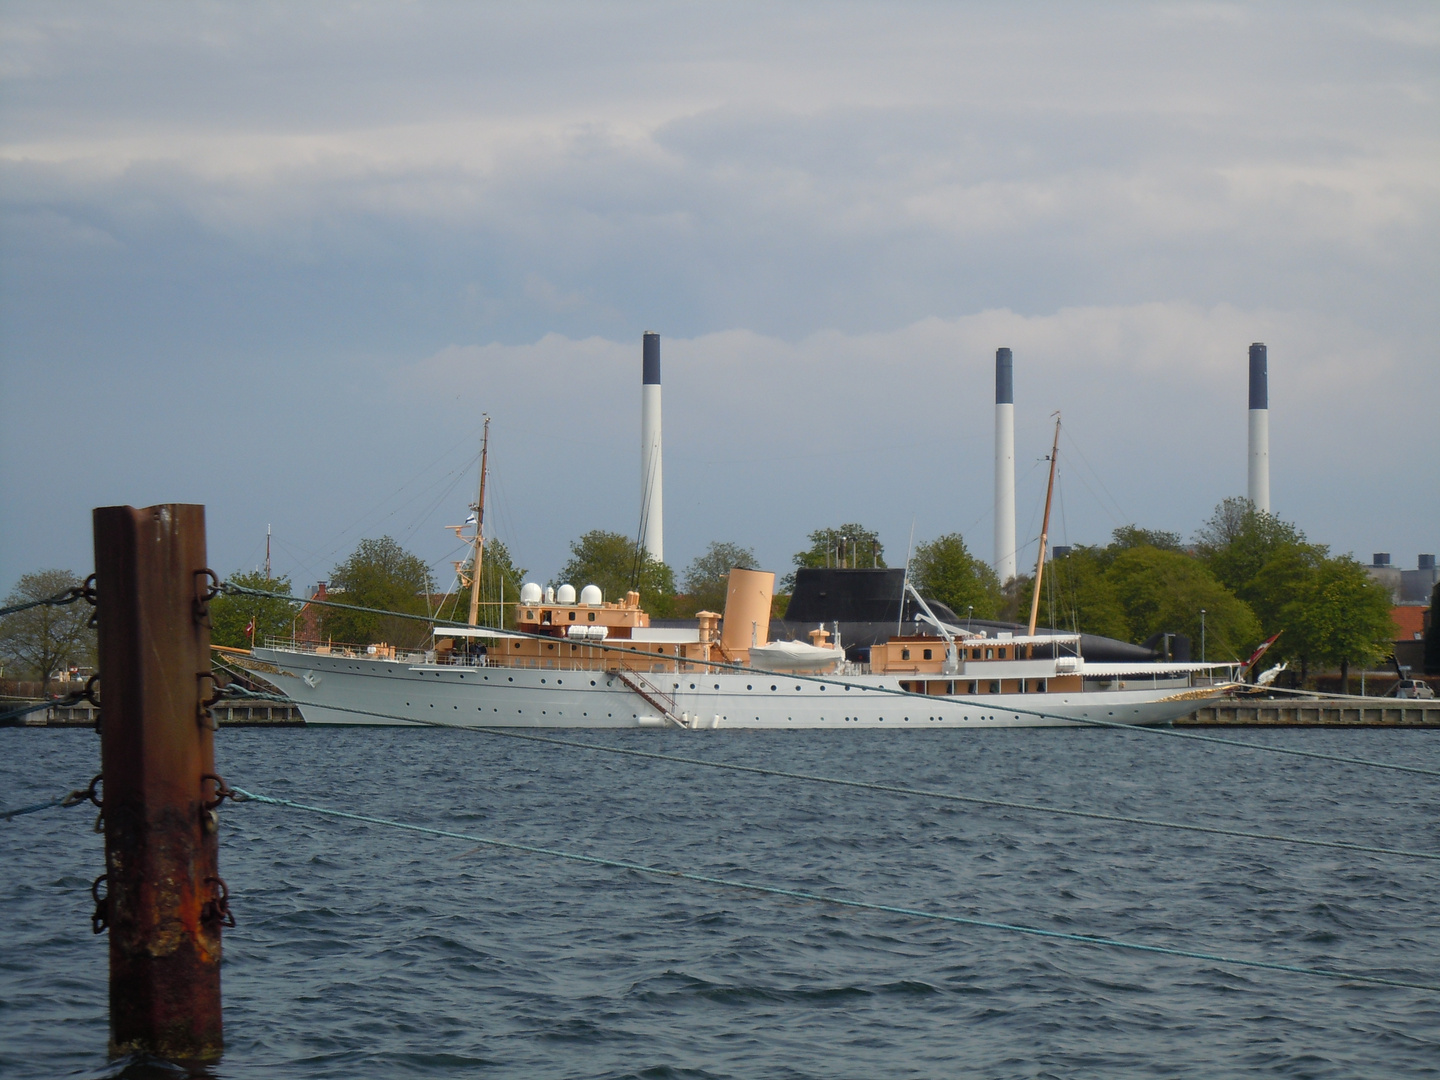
x,y
963,701
835,901
376,508
1086,461
893,789
422,519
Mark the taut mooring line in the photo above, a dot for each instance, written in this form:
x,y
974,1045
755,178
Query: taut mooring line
x,y
967,702
795,894
894,789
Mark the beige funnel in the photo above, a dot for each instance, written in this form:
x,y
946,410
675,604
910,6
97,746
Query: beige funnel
x,y
747,609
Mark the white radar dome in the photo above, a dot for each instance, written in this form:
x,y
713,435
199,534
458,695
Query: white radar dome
x,y
591,596
530,593
565,594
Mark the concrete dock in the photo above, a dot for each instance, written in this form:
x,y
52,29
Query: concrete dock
x,y
1316,712
227,714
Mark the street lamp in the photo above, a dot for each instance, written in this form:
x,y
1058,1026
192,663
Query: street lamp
x,y
1202,635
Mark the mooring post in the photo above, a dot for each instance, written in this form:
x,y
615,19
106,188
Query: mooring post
x,y
164,900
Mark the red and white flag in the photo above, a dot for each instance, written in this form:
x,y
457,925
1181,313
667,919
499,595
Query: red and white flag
x,y
250,628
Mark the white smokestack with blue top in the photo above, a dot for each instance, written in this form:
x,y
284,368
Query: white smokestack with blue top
x,y
1258,489
652,510
1004,465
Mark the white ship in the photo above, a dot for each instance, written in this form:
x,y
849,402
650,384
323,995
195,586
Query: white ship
x,y
580,662
577,662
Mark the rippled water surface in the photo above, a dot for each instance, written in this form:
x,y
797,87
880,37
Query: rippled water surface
x,y
367,952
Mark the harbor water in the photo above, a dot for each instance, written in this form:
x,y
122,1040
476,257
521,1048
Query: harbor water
x,y
366,952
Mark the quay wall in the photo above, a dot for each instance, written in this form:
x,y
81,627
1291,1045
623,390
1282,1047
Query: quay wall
x,y
266,714
1316,712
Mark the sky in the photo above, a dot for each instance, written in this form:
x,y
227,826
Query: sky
x,y
280,260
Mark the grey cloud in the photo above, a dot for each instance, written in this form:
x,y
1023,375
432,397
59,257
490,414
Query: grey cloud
x,y
276,207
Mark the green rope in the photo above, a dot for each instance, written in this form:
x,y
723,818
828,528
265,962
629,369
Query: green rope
x,y
893,789
968,702
794,894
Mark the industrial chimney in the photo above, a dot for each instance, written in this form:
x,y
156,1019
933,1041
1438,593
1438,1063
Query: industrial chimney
x,y
1004,465
1259,486
652,516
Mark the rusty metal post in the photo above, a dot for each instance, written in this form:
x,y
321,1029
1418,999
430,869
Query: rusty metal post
x,y
165,899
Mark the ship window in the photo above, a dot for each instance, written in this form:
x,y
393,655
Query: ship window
x,y
927,654
551,645
989,654
1002,654
591,616
572,616
904,654
529,614
1037,685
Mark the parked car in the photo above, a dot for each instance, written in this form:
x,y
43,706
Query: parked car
x,y
1414,689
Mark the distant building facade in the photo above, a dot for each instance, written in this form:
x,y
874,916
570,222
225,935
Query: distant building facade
x,y
1407,587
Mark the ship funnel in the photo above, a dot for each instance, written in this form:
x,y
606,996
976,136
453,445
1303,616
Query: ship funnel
x,y
1258,489
1004,465
747,609
652,511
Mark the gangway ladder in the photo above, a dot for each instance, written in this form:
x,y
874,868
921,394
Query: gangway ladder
x,y
651,694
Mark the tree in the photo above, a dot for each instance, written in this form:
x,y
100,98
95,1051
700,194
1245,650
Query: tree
x,y
612,561
850,545
42,641
379,574
1341,616
708,575
1238,540
229,615
1132,536
1165,591
1264,561
943,569
1078,595
500,581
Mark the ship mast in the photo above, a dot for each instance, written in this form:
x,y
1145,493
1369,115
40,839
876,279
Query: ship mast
x,y
479,542
1044,530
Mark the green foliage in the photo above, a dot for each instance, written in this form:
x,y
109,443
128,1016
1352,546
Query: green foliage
x,y
379,574
45,640
943,569
611,561
1165,591
229,615
851,545
1131,591
1339,616
1078,595
1132,536
708,575
1237,542
500,581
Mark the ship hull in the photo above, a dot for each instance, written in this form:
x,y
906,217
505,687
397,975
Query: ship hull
x,y
359,690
